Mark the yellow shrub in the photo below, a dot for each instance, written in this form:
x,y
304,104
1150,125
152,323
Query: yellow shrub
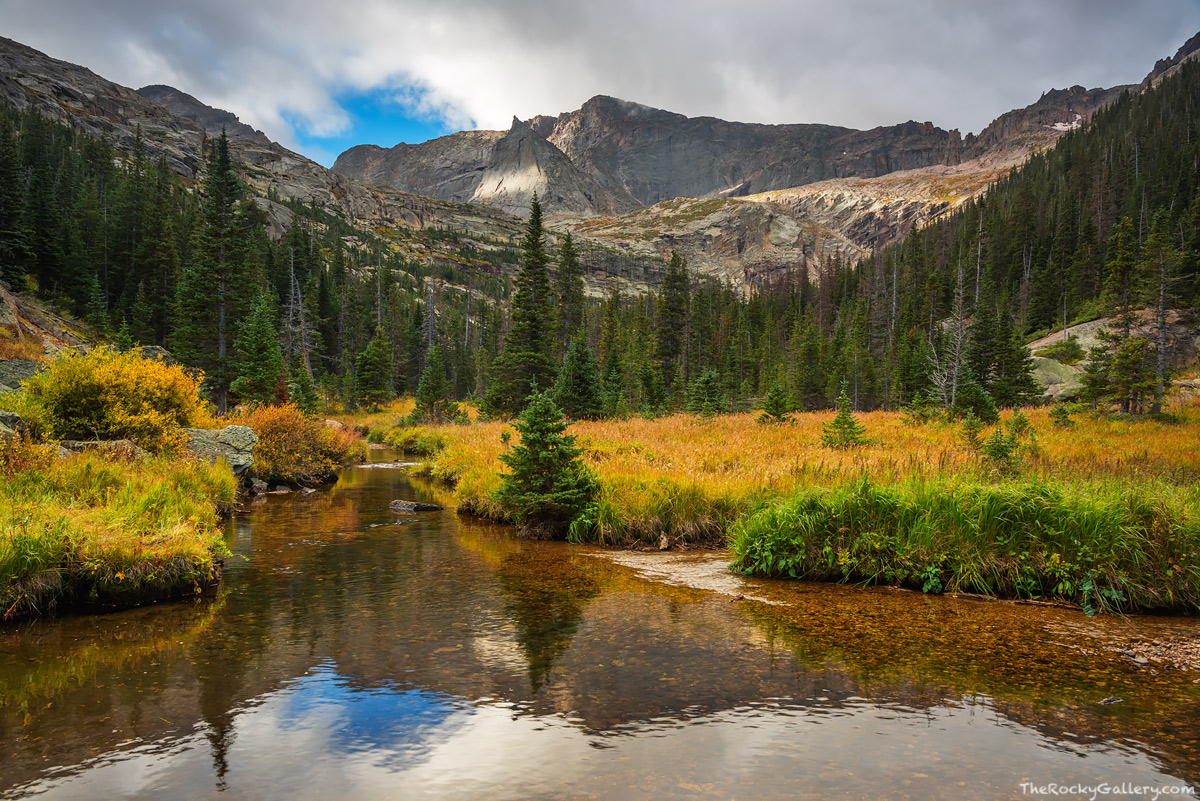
x,y
106,394
294,447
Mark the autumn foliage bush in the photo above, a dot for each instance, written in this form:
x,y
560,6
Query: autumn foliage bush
x,y
293,447
106,394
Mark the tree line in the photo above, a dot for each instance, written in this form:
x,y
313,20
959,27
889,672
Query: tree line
x,y
1105,223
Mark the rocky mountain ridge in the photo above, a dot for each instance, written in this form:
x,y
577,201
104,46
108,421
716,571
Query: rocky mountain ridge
x,y
741,201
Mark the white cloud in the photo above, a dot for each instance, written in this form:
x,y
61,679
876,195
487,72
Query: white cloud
x,y
861,63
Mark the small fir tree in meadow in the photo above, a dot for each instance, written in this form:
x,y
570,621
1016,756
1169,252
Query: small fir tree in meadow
x,y
579,392
776,408
549,486
971,431
704,397
654,394
259,361
373,369
1060,416
844,431
433,392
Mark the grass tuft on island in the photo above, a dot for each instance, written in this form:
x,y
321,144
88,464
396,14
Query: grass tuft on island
x,y
1102,547
106,529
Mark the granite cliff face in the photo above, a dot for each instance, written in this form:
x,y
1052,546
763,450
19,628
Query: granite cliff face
x,y
212,120
656,155
612,156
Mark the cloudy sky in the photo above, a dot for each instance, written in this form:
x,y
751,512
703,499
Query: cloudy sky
x,y
322,75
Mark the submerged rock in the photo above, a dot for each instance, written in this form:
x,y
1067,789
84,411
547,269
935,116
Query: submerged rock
x,y
234,444
414,506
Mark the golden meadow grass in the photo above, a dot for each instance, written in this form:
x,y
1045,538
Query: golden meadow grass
x,y
692,479
686,476
98,528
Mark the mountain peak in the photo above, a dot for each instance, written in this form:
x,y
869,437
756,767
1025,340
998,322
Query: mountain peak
x,y
214,120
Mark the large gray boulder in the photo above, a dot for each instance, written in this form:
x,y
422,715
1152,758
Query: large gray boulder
x,y
1058,381
234,444
14,371
154,353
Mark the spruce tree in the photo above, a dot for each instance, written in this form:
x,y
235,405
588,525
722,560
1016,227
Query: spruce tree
x,y
526,363
844,431
570,298
704,396
776,407
672,319
579,393
259,361
302,391
549,486
373,370
211,283
433,391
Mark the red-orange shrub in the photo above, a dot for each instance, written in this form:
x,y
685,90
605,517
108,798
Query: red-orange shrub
x,y
295,448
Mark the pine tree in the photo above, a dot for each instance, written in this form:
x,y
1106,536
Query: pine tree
x,y
776,408
549,485
672,319
704,396
303,392
526,362
844,431
570,297
259,361
433,392
614,389
213,280
373,369
1012,383
579,392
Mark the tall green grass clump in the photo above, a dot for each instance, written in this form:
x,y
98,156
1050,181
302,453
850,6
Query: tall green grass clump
x,y
103,529
1100,547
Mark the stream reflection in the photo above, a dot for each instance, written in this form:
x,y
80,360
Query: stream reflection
x,y
356,653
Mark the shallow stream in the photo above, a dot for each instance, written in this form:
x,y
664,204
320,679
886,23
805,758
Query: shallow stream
x,y
356,653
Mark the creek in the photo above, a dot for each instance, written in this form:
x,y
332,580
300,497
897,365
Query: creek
x,y
352,652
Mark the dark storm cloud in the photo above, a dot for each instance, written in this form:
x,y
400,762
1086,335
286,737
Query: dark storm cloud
x,y
283,63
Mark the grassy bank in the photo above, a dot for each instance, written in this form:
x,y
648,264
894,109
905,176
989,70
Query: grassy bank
x,y
1101,546
97,529
695,480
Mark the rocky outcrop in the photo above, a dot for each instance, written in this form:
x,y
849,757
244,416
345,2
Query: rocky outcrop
x,y
1012,136
449,168
212,120
234,444
499,169
523,163
13,372
11,425
1166,67
612,155
655,155
1060,382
